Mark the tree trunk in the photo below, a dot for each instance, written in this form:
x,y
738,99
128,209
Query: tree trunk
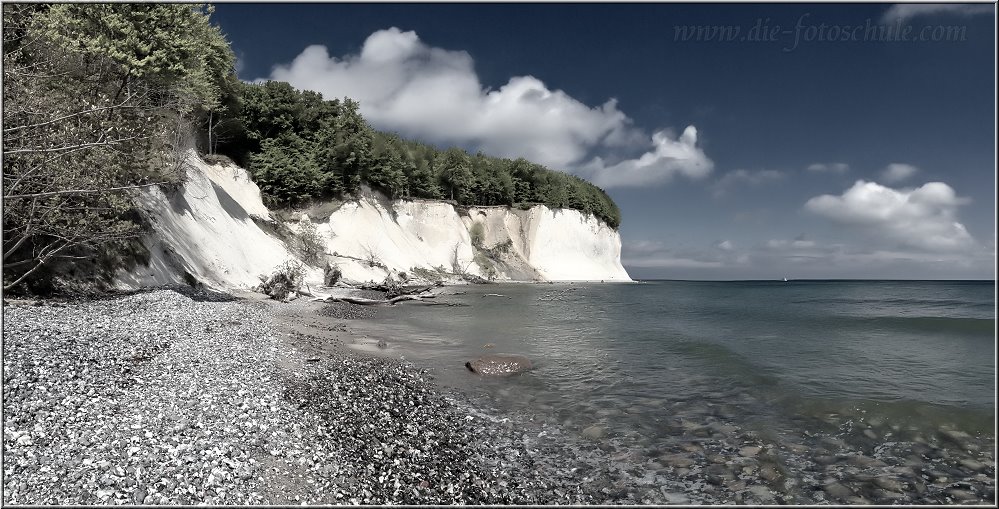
x,y
379,302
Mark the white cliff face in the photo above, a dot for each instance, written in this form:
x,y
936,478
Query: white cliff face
x,y
207,229
557,245
215,229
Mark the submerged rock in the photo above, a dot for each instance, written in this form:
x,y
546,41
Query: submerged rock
x,y
838,490
499,364
594,432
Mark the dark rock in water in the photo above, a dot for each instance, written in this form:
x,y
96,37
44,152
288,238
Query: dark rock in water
x,y
382,344
499,364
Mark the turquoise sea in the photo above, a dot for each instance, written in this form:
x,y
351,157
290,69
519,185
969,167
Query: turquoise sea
x,y
800,392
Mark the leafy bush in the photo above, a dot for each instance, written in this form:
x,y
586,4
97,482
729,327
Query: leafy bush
x,y
500,249
310,243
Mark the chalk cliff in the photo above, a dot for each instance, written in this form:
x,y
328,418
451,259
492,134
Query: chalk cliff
x,y
216,229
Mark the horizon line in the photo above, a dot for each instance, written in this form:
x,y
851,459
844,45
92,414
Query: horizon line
x,y
781,280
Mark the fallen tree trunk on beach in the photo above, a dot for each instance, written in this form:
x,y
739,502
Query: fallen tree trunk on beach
x,y
379,302
394,289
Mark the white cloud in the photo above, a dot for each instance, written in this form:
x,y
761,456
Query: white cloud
x,y
741,176
897,172
434,94
924,218
828,167
908,11
668,157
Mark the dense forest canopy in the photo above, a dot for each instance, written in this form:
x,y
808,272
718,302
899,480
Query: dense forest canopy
x,y
101,99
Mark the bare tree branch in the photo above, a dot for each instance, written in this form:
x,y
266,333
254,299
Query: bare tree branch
x,y
81,191
72,147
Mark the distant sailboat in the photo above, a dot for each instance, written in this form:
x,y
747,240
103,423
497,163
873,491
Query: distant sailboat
x,y
785,280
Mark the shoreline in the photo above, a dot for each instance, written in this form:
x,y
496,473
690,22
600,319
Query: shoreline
x,y
155,398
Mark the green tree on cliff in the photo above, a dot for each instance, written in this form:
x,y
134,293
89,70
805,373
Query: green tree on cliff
x,y
97,100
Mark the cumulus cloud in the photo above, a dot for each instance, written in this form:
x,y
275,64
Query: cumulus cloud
x,y
828,168
667,158
905,12
744,177
434,94
924,218
897,172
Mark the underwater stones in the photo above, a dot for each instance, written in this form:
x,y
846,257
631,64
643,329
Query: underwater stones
x,y
595,432
692,448
761,492
957,437
837,490
860,460
769,473
974,466
960,494
677,460
889,484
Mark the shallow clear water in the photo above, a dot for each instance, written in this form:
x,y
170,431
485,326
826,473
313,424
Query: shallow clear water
x,y
806,370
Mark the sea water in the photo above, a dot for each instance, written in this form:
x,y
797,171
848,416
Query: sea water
x,y
801,392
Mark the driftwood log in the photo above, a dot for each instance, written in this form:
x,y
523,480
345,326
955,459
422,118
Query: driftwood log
x,y
395,290
383,302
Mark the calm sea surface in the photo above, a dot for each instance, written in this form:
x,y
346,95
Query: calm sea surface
x,y
879,387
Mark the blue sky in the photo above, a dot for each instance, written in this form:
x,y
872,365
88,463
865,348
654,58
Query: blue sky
x,y
730,159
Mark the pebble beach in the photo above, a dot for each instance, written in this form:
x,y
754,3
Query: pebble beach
x,y
166,398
